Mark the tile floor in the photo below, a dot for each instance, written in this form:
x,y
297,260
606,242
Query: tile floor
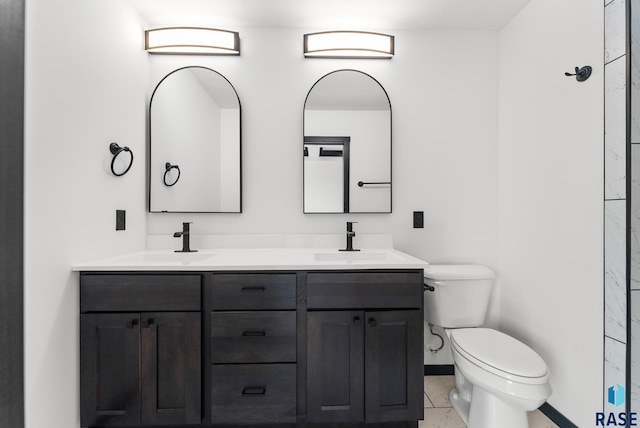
x,y
438,412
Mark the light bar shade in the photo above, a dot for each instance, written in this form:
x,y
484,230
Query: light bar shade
x,y
192,40
348,44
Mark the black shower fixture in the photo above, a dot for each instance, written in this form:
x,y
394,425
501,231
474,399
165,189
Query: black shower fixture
x,y
581,74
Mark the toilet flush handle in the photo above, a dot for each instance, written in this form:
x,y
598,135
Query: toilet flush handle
x,y
431,287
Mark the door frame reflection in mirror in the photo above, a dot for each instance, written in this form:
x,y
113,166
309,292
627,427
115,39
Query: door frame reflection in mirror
x,y
344,154
163,167
379,183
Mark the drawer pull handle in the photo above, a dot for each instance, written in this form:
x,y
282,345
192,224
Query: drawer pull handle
x,y
254,334
147,323
356,320
132,323
373,322
252,290
254,390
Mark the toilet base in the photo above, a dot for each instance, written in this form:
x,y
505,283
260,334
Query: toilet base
x,y
485,410
460,405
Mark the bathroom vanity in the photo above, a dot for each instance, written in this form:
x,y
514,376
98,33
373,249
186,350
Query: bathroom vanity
x,y
252,337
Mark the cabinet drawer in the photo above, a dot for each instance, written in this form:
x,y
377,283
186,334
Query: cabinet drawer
x,y
253,337
253,393
121,292
253,291
354,290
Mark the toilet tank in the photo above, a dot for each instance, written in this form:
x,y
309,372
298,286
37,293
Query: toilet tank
x,y
460,297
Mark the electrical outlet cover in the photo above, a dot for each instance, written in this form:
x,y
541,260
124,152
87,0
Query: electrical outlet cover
x,y
418,219
121,220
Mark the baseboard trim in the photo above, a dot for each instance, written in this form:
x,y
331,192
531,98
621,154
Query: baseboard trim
x,y
438,369
556,417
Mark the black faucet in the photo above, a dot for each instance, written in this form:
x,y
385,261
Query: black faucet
x,y
350,235
185,239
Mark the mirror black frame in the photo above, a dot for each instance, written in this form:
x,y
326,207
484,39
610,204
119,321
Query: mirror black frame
x,y
149,178
326,140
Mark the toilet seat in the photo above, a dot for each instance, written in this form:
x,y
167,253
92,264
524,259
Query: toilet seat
x,y
500,354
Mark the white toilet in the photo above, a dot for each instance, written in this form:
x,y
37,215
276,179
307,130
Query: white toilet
x,y
498,378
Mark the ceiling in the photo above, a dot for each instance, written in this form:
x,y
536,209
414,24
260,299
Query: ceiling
x,y
314,15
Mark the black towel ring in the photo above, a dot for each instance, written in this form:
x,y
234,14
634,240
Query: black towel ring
x,y
167,169
115,150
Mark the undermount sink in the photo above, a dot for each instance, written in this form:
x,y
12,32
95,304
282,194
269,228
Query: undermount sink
x,y
169,257
351,256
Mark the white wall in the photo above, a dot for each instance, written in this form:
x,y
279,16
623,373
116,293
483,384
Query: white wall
x,y
444,140
551,193
86,77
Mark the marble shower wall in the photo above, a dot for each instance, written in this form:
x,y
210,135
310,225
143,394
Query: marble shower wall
x,y
615,197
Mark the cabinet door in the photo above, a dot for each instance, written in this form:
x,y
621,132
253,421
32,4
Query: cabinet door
x,y
170,361
394,366
335,366
109,370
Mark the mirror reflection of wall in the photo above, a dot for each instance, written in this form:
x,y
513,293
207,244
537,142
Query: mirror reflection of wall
x,y
195,123
349,103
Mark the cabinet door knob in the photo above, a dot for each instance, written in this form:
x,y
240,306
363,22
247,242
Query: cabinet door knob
x,y
254,390
148,323
373,322
132,323
356,320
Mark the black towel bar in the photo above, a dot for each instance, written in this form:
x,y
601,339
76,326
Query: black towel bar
x,y
364,183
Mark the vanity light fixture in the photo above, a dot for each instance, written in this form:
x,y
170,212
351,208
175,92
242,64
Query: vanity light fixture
x,y
192,40
348,44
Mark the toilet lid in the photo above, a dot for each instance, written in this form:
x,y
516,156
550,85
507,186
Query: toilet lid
x,y
497,351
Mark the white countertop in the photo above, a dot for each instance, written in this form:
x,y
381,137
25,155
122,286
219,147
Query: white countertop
x,y
255,259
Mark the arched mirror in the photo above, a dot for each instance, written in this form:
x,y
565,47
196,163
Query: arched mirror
x,y
195,142
347,145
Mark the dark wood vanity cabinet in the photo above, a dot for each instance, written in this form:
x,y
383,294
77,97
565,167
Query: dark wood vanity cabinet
x,y
253,348
141,367
361,366
364,364
222,349
110,369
